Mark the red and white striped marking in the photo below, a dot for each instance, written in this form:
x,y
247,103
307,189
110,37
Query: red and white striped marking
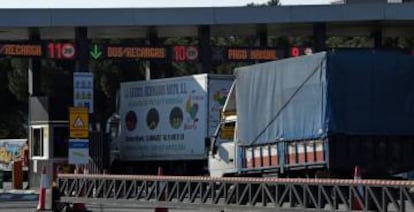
x,y
301,152
249,157
310,152
270,156
305,152
257,162
319,151
274,159
292,153
42,190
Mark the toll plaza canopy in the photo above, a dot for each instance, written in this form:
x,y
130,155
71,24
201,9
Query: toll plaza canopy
x,y
343,19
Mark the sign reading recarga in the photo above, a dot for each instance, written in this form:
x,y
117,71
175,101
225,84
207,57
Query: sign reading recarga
x,y
20,50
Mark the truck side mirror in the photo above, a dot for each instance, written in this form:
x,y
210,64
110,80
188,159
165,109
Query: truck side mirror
x,y
213,146
210,143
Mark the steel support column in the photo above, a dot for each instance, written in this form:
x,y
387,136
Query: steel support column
x,y
261,34
204,48
377,36
319,35
35,79
82,47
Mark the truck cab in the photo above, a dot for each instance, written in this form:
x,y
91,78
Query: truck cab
x,y
221,158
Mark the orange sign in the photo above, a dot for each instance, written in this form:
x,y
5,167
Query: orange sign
x,y
79,122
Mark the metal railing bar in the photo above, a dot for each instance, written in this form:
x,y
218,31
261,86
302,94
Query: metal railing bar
x,y
131,190
393,200
231,194
207,192
282,197
109,189
298,197
374,198
268,194
256,190
183,192
120,188
195,192
408,196
323,193
311,195
341,196
243,194
172,192
354,193
218,193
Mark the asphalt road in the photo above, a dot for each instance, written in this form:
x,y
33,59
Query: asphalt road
x,y
24,206
18,206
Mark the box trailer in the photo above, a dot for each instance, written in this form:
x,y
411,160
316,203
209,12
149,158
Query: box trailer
x,y
164,122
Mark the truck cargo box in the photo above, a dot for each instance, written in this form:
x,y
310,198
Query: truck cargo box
x,y
168,119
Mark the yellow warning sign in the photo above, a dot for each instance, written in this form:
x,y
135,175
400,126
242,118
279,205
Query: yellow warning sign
x,y
79,122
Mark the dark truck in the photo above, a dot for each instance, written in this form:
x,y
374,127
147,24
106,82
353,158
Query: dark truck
x,y
319,115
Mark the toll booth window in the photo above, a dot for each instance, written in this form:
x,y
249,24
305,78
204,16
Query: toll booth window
x,y
37,140
60,142
114,130
227,131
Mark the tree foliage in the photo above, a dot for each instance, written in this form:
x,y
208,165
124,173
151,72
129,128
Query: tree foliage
x,y
13,104
17,79
269,3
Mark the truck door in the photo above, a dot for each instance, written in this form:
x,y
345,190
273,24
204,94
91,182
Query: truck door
x,y
222,154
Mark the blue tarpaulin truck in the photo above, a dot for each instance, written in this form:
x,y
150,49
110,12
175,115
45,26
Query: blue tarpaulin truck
x,y
319,114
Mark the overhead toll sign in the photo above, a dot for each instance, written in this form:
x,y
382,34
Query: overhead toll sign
x,y
136,52
79,122
252,54
240,54
50,50
95,51
223,54
148,53
61,50
20,50
184,53
67,50
298,51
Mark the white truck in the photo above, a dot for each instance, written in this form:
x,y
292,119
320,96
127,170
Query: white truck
x,y
163,122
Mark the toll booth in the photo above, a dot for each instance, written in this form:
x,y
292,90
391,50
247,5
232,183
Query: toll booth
x,y
48,136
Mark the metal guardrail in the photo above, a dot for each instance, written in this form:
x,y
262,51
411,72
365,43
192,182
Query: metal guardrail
x,y
260,194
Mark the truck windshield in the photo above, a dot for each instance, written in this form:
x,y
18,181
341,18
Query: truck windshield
x,y
227,131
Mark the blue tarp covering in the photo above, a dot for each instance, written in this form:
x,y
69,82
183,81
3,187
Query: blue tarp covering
x,y
283,99
371,92
359,92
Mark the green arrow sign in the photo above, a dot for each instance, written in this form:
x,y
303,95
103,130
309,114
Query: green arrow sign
x,y
95,53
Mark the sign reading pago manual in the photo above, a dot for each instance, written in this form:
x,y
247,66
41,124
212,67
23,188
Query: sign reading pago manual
x,y
79,122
